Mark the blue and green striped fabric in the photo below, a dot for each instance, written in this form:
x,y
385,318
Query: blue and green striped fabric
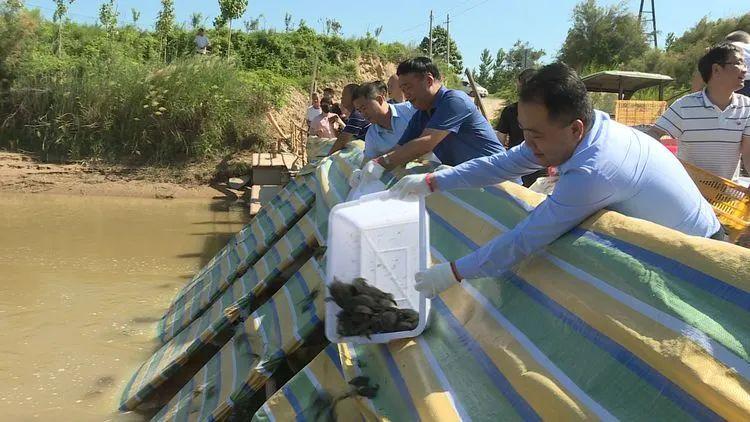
x,y
192,337
300,185
250,358
282,254
308,396
256,241
618,319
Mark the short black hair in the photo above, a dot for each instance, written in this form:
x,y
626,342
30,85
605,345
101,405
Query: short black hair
x,y
325,105
421,65
738,36
718,54
525,74
562,92
381,86
349,88
369,90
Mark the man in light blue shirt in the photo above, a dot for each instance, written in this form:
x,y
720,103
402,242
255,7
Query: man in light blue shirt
x,y
602,164
389,121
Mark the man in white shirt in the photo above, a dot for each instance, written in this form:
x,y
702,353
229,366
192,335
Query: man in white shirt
x,y
314,110
742,40
201,42
389,121
712,126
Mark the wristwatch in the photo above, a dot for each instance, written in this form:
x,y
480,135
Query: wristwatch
x,y
386,159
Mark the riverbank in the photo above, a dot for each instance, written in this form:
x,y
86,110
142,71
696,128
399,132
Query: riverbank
x,y
24,173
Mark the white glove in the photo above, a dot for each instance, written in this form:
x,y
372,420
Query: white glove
x,y
355,178
434,280
372,171
413,186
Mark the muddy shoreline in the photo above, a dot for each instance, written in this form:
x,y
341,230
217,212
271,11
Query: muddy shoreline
x,y
24,173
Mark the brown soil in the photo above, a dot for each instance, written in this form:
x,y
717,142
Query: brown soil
x,y
23,173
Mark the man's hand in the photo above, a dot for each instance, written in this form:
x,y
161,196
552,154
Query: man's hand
x,y
413,186
434,280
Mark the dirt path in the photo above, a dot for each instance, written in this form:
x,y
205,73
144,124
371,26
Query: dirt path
x,y
22,173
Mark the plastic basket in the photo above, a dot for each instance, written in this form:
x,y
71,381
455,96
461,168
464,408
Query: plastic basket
x,y
633,112
730,200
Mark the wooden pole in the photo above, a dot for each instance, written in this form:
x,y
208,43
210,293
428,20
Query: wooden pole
x,y
477,97
314,75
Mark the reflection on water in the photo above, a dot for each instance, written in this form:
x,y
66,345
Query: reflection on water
x,y
83,281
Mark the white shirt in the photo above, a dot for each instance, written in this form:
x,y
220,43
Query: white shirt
x,y
707,136
201,42
380,140
313,112
614,167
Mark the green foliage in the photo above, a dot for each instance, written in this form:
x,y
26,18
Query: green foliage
x,y
508,65
607,36
230,10
486,68
108,16
111,95
440,45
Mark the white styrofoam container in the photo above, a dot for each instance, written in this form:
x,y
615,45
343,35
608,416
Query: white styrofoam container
x,y
386,241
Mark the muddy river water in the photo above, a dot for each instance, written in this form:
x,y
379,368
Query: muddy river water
x,y
83,281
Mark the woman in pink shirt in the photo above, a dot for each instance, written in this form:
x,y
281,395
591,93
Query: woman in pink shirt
x,y
327,124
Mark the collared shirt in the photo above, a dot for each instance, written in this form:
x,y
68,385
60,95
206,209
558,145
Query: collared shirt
x,y
470,134
613,167
201,42
357,125
707,136
380,140
312,113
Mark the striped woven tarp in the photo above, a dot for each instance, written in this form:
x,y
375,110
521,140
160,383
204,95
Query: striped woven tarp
x,y
175,356
251,357
299,239
619,319
256,241
300,185
310,394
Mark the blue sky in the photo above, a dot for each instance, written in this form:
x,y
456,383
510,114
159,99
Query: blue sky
x,y
475,24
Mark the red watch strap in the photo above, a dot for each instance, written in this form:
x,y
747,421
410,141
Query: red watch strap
x,y
429,179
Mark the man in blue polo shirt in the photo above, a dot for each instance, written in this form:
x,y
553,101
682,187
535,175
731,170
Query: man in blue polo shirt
x,y
602,164
389,121
447,121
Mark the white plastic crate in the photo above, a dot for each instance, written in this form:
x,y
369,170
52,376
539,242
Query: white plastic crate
x,y
385,241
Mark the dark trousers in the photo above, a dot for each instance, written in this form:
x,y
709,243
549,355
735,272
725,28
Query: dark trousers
x,y
721,235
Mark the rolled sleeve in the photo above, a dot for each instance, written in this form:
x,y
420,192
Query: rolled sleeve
x,y
575,198
453,110
671,122
485,171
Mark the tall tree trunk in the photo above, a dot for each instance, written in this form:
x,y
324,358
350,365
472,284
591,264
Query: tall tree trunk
x,y
229,48
59,39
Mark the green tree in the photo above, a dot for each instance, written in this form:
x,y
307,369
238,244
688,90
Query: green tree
x,y
253,24
196,20
135,15
287,22
165,24
230,10
602,37
486,67
58,17
108,17
508,64
440,44
333,27
378,31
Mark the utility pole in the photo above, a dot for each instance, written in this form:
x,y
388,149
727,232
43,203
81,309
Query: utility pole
x,y
448,41
430,34
651,20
